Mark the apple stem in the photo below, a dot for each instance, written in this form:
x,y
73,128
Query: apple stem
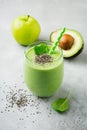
x,y
28,16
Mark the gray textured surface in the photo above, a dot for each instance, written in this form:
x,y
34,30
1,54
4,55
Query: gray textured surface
x,y
51,15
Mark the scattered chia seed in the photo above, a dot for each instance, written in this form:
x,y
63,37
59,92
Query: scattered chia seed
x,y
45,58
23,101
18,97
33,121
38,112
27,116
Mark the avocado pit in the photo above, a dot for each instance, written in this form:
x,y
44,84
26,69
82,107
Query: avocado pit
x,y
66,42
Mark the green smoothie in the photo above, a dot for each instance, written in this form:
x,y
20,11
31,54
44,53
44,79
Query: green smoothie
x,y
43,79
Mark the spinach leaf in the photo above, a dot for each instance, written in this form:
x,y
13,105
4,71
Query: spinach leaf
x,y
41,49
61,104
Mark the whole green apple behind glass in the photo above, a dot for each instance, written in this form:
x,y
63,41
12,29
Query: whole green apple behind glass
x,y
25,29
43,79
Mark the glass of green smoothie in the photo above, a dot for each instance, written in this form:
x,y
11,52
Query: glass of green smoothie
x,y
43,73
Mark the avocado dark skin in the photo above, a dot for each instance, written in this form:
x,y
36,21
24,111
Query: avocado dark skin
x,y
75,54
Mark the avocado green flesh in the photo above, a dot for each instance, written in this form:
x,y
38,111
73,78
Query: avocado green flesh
x,y
78,42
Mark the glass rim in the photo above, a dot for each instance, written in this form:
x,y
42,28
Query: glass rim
x,y
37,43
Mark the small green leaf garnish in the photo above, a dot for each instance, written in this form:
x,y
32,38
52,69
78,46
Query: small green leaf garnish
x,y
61,104
41,49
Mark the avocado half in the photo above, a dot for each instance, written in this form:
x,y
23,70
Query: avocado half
x,y
77,46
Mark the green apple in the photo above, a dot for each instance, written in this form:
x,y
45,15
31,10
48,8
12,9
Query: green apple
x,y
25,29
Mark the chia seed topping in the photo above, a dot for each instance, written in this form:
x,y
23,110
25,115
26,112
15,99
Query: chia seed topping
x,y
45,58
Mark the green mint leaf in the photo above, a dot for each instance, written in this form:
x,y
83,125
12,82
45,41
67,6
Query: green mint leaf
x,y
41,49
61,104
